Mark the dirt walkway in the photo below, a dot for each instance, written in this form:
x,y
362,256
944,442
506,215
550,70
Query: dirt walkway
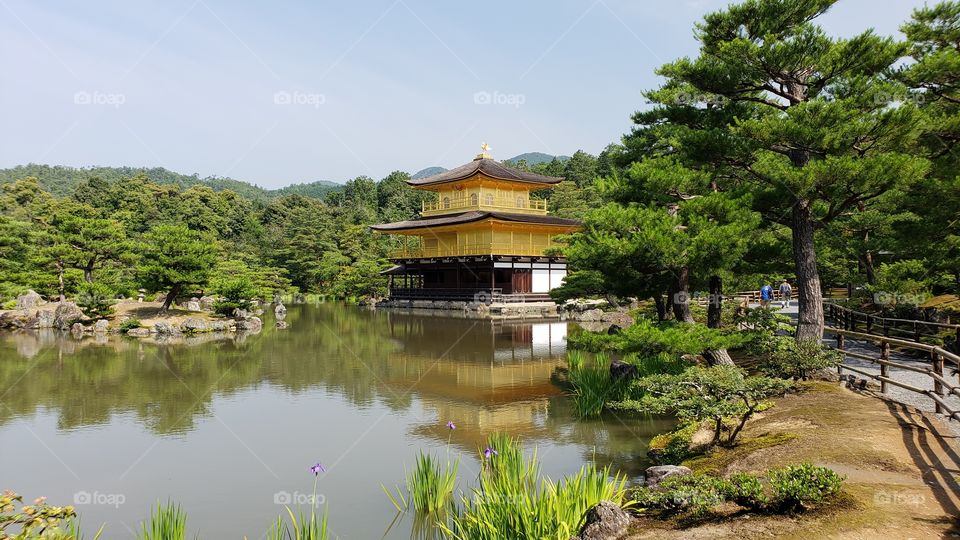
x,y
901,466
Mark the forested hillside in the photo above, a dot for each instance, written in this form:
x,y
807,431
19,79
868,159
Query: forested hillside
x,y
62,181
103,232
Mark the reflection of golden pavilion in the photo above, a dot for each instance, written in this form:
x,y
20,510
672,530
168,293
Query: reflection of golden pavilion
x,y
484,375
482,236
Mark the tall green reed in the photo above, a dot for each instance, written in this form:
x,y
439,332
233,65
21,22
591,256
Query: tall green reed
x,y
167,522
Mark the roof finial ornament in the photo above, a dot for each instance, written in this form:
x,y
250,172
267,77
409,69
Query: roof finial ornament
x,y
484,152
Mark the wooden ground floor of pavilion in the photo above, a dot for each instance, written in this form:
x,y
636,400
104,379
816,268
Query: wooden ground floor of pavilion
x,y
484,278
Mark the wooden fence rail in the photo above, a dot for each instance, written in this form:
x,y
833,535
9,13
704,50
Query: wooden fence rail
x,y
938,357
852,320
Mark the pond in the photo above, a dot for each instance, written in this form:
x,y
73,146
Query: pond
x,y
228,428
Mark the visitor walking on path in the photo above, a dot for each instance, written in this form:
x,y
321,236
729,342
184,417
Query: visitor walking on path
x,y
766,293
786,291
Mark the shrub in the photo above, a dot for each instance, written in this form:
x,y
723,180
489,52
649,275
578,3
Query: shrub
x,y
795,486
34,521
130,324
696,492
673,447
783,357
787,489
10,304
763,320
234,294
95,299
747,490
649,339
699,394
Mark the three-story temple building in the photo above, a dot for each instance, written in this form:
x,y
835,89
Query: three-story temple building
x,y
483,238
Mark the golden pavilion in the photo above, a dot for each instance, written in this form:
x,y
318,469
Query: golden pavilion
x,y
482,238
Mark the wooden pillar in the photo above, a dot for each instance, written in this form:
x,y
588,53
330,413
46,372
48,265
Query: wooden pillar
x,y
869,323
884,369
916,331
937,360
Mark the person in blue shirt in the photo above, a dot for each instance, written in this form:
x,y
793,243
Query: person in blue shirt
x,y
766,293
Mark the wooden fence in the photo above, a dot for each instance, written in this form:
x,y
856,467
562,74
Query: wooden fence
x,y
852,320
938,357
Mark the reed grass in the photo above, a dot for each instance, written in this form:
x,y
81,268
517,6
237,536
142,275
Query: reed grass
x,y
514,501
593,386
167,522
431,483
300,527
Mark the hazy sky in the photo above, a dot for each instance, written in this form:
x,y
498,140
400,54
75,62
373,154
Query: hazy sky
x,y
282,92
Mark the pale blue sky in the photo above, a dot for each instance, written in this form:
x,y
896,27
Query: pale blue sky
x,y
202,86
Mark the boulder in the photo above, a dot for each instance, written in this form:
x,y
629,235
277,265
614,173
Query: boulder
x,y
164,328
240,314
280,311
194,326
206,303
622,370
252,324
29,300
44,319
618,318
77,329
605,521
65,315
101,326
138,332
591,315
193,305
656,474
219,326
15,319
281,325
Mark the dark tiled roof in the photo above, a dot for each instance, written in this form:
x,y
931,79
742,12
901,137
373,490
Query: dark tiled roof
x,y
470,217
489,167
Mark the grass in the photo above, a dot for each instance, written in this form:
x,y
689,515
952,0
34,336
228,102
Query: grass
x,y
513,500
300,527
593,386
168,522
430,486
717,459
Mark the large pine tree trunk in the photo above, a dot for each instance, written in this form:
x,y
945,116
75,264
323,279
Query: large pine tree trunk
x,y
681,296
809,295
171,296
88,270
867,260
718,357
715,305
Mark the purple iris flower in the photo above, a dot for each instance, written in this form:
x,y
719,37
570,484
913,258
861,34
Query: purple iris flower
x,y
317,469
451,425
489,452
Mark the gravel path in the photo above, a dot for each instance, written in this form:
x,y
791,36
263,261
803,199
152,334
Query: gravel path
x,y
894,393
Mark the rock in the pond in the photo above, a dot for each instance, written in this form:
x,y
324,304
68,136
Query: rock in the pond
x,y
605,521
65,315
281,325
219,326
240,314
194,326
101,326
44,320
193,305
657,473
29,300
164,328
138,332
206,303
280,311
77,329
623,370
591,315
253,324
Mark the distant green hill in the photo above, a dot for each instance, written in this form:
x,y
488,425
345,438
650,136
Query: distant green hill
x,y
535,158
429,171
62,181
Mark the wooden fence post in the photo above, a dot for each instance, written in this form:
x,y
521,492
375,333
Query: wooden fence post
x,y
884,369
916,332
886,329
869,323
842,358
938,369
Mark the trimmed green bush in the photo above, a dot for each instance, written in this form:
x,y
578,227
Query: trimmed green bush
x,y
673,447
796,486
130,324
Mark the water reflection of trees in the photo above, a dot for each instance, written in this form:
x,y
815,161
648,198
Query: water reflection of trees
x,y
484,375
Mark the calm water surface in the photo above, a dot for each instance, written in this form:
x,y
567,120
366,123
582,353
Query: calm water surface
x,y
228,428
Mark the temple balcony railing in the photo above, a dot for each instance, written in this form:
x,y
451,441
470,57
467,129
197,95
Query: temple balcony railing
x,y
465,250
531,206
